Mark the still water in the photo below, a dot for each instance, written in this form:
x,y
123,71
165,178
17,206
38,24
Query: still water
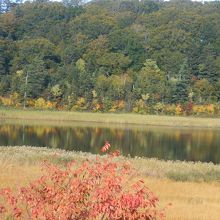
x,y
144,141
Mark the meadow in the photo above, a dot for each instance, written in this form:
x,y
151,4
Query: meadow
x,y
110,118
192,188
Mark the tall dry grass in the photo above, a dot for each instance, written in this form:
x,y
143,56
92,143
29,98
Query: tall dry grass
x,y
174,170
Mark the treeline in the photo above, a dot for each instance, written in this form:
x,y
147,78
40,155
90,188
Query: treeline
x,y
142,56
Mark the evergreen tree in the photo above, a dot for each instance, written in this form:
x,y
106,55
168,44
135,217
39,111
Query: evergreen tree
x,y
181,88
151,80
34,80
2,62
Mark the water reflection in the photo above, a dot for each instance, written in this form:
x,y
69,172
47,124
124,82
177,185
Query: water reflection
x,y
162,143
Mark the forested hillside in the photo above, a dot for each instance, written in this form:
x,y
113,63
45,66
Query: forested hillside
x,y
111,55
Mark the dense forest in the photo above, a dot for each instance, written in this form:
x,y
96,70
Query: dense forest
x,y
111,55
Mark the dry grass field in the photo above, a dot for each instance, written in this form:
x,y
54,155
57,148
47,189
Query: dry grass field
x,y
191,200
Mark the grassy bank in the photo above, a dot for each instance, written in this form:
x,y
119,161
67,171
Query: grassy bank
x,y
173,170
195,196
108,118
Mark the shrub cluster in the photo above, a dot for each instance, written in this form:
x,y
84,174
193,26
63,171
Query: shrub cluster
x,y
140,106
100,189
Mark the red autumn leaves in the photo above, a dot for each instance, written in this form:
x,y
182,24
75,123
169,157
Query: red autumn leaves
x,y
106,147
95,189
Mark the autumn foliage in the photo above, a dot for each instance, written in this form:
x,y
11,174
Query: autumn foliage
x,y
100,189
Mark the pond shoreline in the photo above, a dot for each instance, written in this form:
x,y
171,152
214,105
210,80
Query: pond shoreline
x,y
110,118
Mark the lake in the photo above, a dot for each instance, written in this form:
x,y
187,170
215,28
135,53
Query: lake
x,y
144,141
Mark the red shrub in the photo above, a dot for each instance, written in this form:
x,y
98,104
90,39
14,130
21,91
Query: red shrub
x,y
100,189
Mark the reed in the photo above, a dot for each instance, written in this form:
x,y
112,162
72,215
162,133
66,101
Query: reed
x,y
147,167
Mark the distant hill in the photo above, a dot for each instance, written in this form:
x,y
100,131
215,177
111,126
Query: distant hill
x,y
109,51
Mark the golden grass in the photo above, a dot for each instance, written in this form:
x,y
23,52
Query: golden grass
x,y
190,201
13,175
108,118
